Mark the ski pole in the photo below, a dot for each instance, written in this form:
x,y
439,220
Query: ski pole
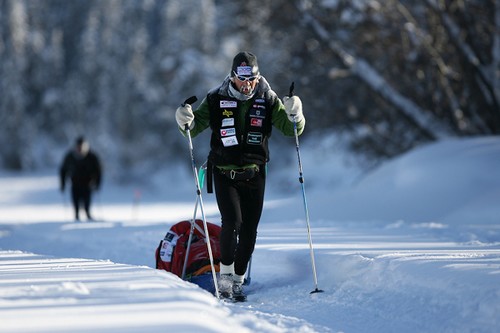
x,y
190,238
248,278
193,221
306,210
192,100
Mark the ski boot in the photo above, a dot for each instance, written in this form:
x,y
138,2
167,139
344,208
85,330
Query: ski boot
x,y
225,285
238,294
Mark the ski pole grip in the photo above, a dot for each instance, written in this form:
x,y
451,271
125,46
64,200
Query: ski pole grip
x,y
190,100
292,87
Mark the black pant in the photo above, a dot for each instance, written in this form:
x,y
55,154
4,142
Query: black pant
x,y
81,194
240,205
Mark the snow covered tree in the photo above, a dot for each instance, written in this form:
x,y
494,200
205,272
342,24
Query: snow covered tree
x,y
390,75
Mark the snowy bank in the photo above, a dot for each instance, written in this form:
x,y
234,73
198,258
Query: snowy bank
x,y
47,294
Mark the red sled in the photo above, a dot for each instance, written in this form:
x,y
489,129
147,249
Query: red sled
x,y
171,252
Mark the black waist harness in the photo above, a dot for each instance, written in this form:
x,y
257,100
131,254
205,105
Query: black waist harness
x,y
239,174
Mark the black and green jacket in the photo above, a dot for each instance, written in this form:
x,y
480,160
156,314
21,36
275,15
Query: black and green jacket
x,y
241,129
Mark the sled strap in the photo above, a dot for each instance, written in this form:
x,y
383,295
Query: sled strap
x,y
210,176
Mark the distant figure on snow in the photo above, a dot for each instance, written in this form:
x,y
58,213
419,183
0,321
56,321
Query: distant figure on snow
x,y
83,167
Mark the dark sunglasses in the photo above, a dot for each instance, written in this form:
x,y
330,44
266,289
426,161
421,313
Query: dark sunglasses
x,y
244,78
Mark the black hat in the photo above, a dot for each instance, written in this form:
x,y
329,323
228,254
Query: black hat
x,y
245,64
80,140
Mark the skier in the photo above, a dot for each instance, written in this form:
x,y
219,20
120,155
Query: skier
x,y
83,167
240,113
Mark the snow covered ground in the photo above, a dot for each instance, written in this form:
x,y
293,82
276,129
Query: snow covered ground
x,y
414,246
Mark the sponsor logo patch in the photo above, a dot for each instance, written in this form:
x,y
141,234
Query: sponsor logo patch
x,y
256,122
244,70
227,113
254,138
227,132
257,113
229,141
227,122
228,104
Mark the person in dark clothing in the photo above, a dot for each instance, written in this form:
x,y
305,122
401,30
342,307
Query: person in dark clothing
x,y
241,113
83,167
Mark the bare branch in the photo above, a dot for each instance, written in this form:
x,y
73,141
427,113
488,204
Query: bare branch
x,y
424,119
446,71
485,77
495,64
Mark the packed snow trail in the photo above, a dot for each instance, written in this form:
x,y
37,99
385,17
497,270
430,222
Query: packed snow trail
x,y
388,278
412,247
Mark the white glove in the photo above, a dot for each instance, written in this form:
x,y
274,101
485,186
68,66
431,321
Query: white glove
x,y
293,107
184,116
